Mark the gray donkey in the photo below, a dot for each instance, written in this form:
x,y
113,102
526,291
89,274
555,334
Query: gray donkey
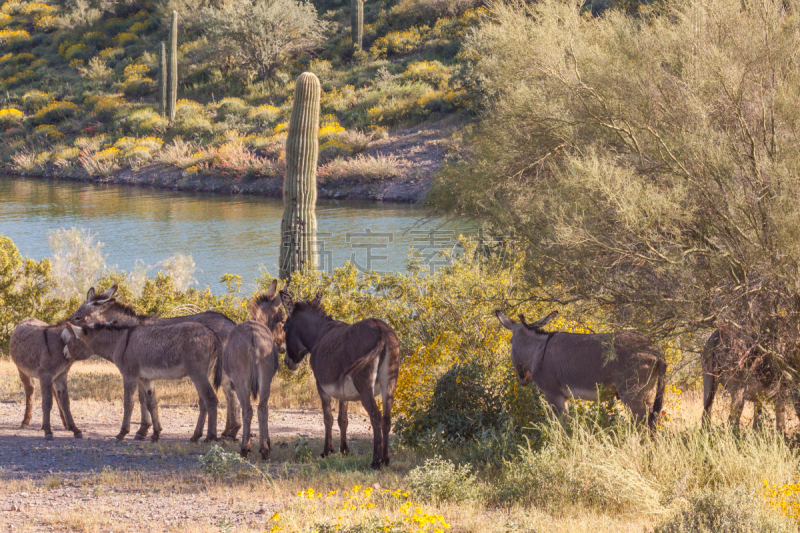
x,y
350,362
103,307
565,365
745,375
155,352
250,360
38,351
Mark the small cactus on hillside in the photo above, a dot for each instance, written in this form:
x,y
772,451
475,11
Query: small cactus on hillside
x,y
162,79
299,223
172,70
357,22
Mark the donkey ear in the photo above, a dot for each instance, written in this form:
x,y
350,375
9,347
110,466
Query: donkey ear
x,y
546,320
108,294
287,301
90,295
318,298
272,288
507,322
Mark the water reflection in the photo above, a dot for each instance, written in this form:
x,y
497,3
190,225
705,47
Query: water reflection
x,y
223,234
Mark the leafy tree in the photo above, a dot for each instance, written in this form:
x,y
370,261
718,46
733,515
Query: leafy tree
x,y
648,163
258,34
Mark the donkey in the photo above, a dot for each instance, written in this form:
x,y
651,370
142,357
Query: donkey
x,y
250,360
350,362
155,352
38,351
565,365
103,307
746,376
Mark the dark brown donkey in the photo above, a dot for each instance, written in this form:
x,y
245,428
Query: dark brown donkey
x,y
250,360
350,362
37,349
103,307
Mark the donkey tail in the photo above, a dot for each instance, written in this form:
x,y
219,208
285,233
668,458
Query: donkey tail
x,y
659,401
217,355
367,360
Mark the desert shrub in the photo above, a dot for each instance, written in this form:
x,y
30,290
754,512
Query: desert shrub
x,y
47,24
145,121
138,86
440,480
111,53
264,115
24,57
724,512
363,167
65,154
232,106
95,39
105,107
96,71
257,35
193,126
13,38
35,100
55,112
430,72
76,51
124,38
39,63
10,117
399,42
24,286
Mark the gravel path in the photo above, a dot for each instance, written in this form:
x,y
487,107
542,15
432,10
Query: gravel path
x,y
96,484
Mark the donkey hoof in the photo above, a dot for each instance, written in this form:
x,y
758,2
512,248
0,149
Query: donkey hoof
x,y
138,436
48,436
375,466
24,426
155,437
78,435
265,455
243,452
194,440
344,451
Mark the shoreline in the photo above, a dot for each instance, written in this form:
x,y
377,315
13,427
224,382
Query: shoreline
x,y
407,190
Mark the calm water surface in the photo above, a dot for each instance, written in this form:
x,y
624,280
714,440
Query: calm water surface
x,y
223,234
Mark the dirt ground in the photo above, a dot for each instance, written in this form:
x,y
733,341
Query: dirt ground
x,y
97,484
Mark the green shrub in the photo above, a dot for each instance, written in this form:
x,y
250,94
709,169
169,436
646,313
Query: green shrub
x,y
732,512
232,106
35,100
55,112
441,480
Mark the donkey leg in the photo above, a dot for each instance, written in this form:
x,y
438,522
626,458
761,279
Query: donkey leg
x,y
46,383
233,419
559,404
148,389
780,413
386,422
758,412
265,372
129,386
146,419
58,404
27,384
62,395
327,417
343,448
369,403
208,399
737,406
242,388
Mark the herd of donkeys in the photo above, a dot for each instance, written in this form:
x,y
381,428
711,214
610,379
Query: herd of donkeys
x,y
350,362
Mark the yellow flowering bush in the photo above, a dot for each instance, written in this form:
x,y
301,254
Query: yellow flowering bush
x,y
35,100
10,116
46,24
39,63
25,57
69,153
263,114
105,107
784,498
76,51
111,53
5,19
35,9
399,42
363,509
9,37
55,112
109,154
123,38
6,57
431,72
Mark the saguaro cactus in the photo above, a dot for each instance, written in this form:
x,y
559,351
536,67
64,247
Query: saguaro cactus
x,y
357,22
162,79
172,70
299,223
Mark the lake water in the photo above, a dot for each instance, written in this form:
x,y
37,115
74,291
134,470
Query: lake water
x,y
223,234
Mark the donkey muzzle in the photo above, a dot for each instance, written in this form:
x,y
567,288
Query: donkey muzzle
x,y
291,364
526,378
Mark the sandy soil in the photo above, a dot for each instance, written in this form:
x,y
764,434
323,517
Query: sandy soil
x,y
97,484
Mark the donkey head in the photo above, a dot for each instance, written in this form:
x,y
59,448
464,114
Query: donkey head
x,y
75,348
297,326
267,310
520,354
94,305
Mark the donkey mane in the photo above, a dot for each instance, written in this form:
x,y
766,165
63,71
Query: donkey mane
x,y
108,326
128,310
311,307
